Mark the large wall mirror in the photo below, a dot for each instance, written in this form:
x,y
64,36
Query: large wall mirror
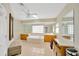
x,y
68,25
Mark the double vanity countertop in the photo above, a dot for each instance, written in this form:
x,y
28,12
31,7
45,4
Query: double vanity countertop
x,y
64,42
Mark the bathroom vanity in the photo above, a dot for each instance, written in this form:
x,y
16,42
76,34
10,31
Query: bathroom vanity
x,y
23,36
60,46
48,37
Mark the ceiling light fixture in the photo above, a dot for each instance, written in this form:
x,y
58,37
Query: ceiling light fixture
x,y
28,13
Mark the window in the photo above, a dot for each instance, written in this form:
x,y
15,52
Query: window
x,y
37,29
70,29
57,28
67,28
53,28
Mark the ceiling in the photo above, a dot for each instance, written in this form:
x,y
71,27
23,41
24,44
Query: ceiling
x,y
43,10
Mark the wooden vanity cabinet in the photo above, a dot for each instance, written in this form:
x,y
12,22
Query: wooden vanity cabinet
x,y
59,50
23,36
48,38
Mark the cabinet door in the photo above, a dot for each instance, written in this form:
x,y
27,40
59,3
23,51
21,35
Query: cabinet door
x,y
23,37
57,49
59,54
47,38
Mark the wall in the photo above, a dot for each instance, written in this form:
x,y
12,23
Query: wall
x,y
49,28
46,22
4,32
27,28
22,27
67,8
76,22
18,29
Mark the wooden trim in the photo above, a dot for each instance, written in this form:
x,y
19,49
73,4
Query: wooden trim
x,y
10,26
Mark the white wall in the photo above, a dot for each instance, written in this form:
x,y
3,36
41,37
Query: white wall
x,y
21,27
49,28
4,23
18,29
68,8
27,28
76,22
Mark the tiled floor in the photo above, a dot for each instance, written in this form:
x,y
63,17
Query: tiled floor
x,y
35,48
